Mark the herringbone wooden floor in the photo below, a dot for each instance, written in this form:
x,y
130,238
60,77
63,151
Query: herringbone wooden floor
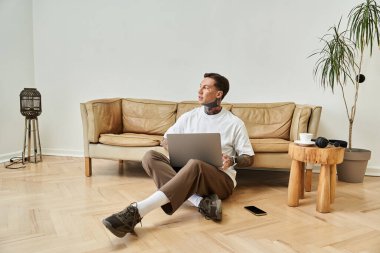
x,y
52,207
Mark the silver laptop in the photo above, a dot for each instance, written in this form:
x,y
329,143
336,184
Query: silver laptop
x,y
202,146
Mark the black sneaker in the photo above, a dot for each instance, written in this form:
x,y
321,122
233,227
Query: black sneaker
x,y
211,207
124,221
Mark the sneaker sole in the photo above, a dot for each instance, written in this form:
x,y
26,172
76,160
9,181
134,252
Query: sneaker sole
x,y
114,231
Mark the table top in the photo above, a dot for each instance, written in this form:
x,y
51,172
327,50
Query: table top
x,y
314,154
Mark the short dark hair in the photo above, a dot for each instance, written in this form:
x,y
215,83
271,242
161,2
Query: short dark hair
x,y
221,82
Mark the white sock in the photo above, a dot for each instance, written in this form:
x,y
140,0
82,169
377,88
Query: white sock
x,y
195,199
154,201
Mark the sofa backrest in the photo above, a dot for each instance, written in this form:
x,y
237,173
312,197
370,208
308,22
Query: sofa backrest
x,y
263,120
148,116
266,120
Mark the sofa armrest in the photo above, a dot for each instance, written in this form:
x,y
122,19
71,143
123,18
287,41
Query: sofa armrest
x,y
102,116
305,120
86,142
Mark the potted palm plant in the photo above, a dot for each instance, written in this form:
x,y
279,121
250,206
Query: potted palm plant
x,y
339,65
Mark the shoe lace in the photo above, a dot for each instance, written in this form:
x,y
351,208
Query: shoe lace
x,y
126,218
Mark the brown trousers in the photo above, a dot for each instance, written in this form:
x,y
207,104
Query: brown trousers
x,y
196,177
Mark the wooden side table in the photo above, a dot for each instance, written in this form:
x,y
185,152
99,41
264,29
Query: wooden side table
x,y
328,158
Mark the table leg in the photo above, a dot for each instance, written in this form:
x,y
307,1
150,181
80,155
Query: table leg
x,y
323,198
332,182
295,183
301,189
308,177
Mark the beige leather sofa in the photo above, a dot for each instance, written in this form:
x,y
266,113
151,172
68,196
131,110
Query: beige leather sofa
x,y
124,129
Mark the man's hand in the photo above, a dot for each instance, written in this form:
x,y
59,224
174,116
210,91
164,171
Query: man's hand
x,y
227,162
164,143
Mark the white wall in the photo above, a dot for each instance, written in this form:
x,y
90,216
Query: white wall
x,y
16,71
91,49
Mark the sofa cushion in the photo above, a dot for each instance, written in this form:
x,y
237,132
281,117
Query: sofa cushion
x,y
266,120
131,140
186,106
147,116
270,145
103,116
300,121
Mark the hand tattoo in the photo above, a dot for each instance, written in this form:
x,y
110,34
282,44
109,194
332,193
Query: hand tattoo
x,y
244,161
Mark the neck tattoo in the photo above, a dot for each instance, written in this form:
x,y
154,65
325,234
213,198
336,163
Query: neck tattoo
x,y
213,107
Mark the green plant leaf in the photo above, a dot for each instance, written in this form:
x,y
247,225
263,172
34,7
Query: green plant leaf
x,y
336,61
364,23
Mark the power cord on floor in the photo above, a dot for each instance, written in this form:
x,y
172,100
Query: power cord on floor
x,y
15,163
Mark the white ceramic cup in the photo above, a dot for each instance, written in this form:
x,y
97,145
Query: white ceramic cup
x,y
306,137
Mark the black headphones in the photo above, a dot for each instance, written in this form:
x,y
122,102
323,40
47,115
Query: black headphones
x,y
322,142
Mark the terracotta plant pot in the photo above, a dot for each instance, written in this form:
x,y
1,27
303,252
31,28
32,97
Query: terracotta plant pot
x,y
353,168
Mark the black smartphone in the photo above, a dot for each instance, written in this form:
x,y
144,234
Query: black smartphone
x,y
255,210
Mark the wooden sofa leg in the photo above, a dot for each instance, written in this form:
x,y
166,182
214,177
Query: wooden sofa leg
x,y
121,164
88,166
